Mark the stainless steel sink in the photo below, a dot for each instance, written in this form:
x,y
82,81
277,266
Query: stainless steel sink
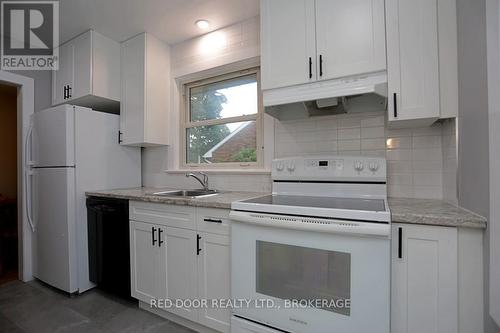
x,y
187,193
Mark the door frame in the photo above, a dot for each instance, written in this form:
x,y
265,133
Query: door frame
x,y
25,109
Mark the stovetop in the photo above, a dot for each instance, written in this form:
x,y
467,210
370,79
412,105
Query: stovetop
x,y
372,205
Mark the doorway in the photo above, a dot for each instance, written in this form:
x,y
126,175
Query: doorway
x,y
8,184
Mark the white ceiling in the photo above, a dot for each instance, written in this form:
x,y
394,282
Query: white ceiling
x,y
170,20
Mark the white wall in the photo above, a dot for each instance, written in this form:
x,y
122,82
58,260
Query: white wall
x,y
450,162
473,162
493,50
43,87
226,49
415,157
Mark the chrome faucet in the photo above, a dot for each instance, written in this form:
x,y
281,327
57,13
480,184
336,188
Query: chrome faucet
x,y
203,182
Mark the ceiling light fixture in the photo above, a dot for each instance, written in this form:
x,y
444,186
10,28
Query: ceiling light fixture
x,y
202,24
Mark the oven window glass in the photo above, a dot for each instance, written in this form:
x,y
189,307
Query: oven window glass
x,y
303,275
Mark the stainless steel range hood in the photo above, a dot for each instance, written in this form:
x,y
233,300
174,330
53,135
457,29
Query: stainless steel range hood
x,y
327,97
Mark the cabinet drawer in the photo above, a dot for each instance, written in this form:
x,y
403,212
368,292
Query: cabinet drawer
x,y
213,220
167,215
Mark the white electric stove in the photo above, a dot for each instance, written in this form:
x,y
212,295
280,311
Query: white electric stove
x,y
317,250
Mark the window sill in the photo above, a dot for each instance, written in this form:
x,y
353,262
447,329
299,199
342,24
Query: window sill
x,y
222,171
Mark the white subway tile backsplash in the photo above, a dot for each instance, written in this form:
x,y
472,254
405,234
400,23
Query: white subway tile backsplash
x,y
372,132
405,191
350,122
329,135
327,124
378,121
427,154
395,167
372,144
373,153
398,143
427,179
427,192
349,133
427,141
434,129
426,166
415,156
398,155
328,146
397,133
347,145
400,179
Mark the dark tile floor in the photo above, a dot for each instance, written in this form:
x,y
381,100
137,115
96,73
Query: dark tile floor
x,y
34,307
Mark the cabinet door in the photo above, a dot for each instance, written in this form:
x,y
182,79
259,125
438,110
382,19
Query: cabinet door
x,y
214,279
412,59
82,83
287,43
63,77
178,269
424,279
350,37
144,261
133,54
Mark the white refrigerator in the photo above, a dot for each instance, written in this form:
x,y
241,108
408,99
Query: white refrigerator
x,y
74,150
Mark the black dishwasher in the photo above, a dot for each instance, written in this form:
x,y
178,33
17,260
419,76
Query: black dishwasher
x,y
109,249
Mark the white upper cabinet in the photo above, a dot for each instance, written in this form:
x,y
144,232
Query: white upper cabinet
x,y
421,61
314,49
288,55
305,41
350,37
63,78
145,91
412,58
89,73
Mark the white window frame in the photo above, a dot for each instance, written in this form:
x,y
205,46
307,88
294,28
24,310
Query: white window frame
x,y
186,123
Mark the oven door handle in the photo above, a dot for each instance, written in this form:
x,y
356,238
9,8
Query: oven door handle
x,y
333,226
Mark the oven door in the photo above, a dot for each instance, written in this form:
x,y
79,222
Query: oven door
x,y
315,281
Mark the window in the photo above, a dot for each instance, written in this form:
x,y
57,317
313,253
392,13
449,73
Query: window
x,y
221,122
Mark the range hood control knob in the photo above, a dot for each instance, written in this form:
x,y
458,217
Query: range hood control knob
x,y
358,166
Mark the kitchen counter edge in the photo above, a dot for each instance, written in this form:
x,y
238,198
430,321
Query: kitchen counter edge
x,y
403,210
222,200
433,212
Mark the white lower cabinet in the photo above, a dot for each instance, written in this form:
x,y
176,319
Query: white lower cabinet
x,y
424,279
181,263
180,276
145,262
214,279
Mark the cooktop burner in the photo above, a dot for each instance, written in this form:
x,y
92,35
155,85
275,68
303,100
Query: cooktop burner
x,y
372,205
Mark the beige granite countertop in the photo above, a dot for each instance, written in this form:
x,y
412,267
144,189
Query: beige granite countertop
x,y
403,210
433,212
222,200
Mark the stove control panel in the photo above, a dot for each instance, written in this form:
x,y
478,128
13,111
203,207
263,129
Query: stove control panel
x,y
330,168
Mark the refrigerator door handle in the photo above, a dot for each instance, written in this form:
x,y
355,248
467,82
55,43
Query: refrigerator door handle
x,y
28,174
